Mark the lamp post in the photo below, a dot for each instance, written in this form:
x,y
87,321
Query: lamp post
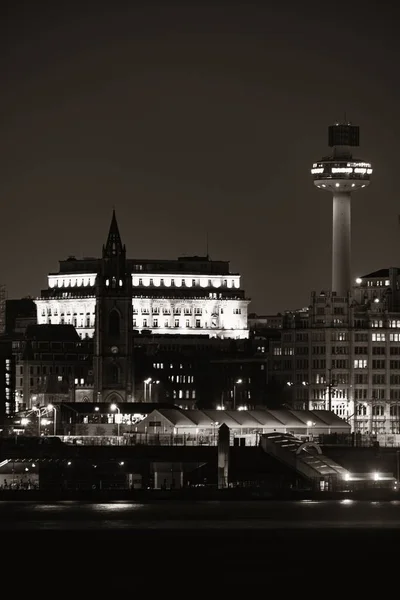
x,y
238,382
53,408
115,407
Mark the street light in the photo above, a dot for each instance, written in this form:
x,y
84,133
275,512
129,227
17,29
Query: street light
x,y
115,407
238,382
53,408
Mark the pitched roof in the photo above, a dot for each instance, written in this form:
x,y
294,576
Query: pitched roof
x,y
253,419
379,273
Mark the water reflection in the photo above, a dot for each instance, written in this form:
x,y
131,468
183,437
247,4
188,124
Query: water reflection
x,y
117,506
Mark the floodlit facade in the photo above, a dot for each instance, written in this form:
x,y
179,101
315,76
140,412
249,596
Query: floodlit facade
x,y
189,296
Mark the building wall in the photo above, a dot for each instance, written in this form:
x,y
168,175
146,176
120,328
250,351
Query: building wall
x,y
346,350
219,313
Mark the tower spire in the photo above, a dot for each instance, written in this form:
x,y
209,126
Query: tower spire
x,y
113,245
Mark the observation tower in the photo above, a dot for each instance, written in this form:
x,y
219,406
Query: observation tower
x,y
341,174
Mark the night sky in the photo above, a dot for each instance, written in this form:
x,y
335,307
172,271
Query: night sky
x,y
190,119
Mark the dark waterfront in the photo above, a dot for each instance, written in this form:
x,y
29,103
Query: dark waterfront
x,y
250,544
212,515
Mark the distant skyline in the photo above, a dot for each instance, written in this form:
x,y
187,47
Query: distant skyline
x,y
192,120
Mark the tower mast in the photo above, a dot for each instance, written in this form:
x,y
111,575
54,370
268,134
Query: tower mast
x,y
341,174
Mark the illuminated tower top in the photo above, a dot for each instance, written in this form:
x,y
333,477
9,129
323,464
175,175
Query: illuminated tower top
x,y
341,171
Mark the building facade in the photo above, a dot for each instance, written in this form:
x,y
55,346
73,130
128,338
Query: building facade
x,y
188,296
343,353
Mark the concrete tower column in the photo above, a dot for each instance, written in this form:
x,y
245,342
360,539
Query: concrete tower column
x,y
341,243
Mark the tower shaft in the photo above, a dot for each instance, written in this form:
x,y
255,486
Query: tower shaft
x,y
341,243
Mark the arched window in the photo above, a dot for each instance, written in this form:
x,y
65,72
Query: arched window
x,y
113,323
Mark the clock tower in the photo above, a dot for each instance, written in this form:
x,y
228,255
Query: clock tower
x,y
113,356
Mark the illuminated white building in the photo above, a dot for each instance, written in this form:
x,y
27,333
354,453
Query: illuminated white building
x,y
190,295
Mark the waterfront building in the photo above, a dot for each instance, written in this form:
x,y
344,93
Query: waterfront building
x,y
189,296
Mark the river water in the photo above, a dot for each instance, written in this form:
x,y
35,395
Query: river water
x,y
255,515
167,543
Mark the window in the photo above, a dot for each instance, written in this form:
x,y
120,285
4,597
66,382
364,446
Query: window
x,y
340,364
176,323
361,337
378,337
361,410
114,372
395,410
378,364
113,323
360,349
378,350
360,363
379,379
394,337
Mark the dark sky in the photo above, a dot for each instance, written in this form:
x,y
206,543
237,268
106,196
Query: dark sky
x,y
191,119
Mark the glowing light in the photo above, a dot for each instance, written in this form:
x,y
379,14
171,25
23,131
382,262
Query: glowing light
x,y
220,407
376,300
96,408
358,170
114,407
323,185
239,381
309,423
358,280
369,171
317,170
50,407
376,477
148,380
342,170
353,185
24,422
337,184
347,476
242,408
